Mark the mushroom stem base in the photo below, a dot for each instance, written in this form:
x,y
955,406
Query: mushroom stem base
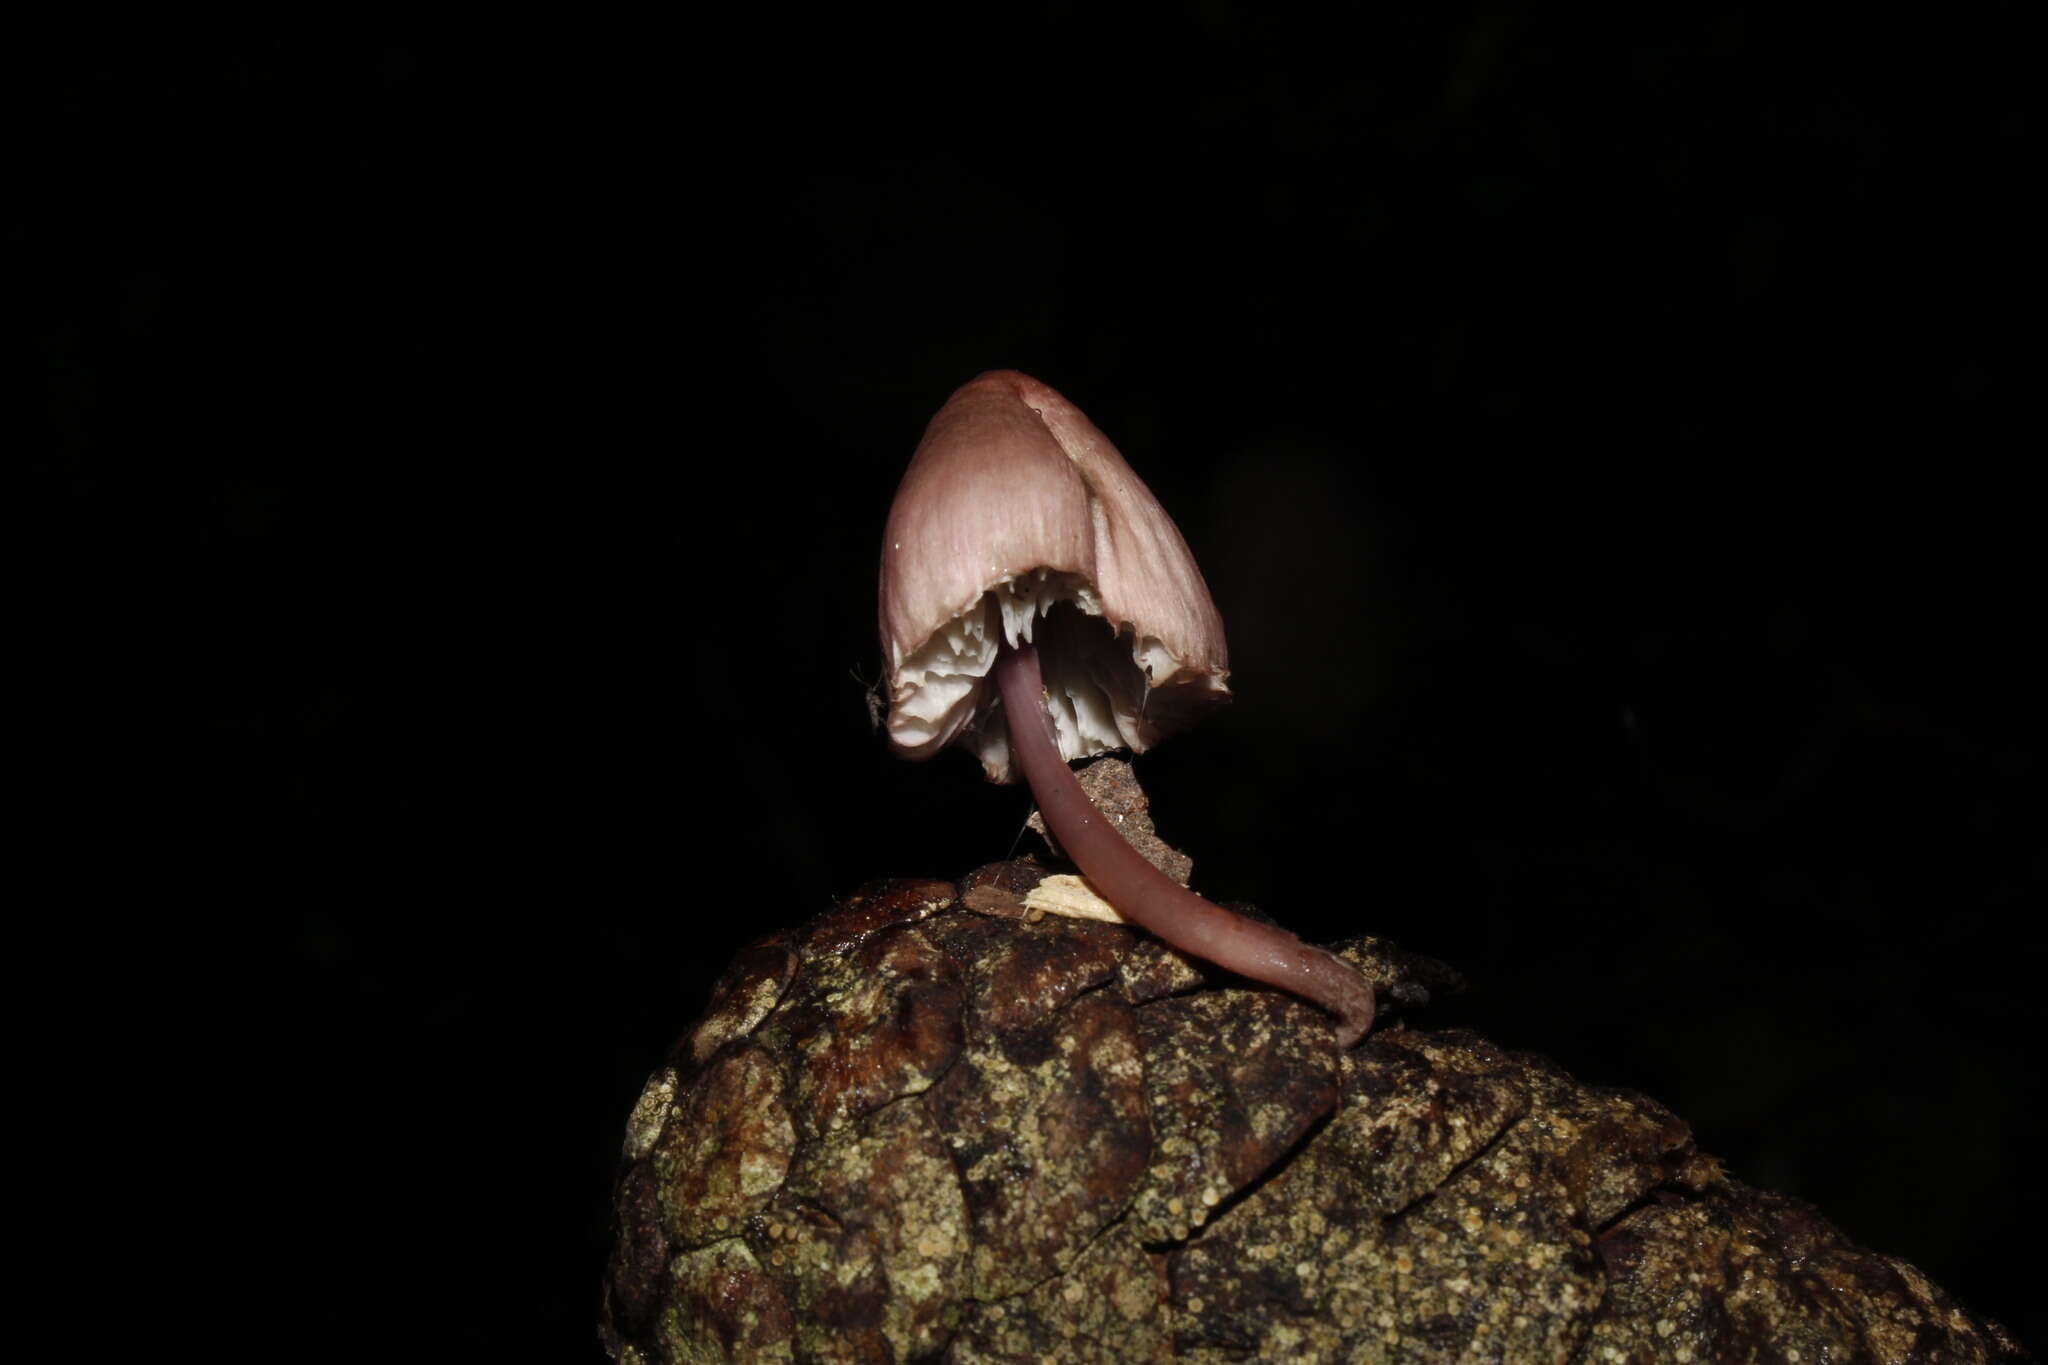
x,y
1146,896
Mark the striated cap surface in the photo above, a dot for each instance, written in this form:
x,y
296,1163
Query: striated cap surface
x,y
1014,505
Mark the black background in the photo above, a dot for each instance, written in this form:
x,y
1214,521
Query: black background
x,y
1605,443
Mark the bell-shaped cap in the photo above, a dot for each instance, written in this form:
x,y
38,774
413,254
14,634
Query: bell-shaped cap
x,y
1015,504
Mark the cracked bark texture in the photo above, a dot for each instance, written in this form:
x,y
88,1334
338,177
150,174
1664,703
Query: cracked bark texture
x,y
927,1127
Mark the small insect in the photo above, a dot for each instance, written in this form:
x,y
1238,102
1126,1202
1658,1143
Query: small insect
x,y
873,697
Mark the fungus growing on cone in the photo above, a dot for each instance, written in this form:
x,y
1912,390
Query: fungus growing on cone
x,y
1015,505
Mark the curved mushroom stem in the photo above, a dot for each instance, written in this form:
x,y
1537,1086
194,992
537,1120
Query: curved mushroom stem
x,y
1148,897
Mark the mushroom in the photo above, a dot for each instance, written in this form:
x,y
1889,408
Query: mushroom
x,y
1015,505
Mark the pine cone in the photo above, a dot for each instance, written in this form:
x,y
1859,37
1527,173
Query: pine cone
x,y
932,1127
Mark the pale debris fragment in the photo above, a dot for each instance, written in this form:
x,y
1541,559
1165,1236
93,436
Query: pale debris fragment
x,y
1065,894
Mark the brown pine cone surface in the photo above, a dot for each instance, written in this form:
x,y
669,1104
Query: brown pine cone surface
x,y
933,1126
